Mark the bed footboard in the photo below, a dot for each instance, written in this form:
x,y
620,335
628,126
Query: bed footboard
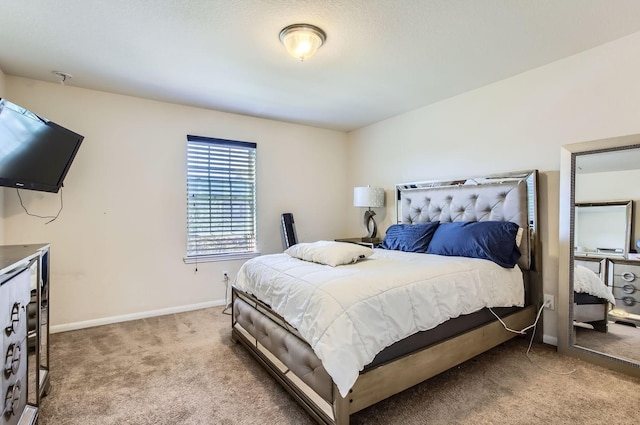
x,y
294,364
595,315
289,359
294,353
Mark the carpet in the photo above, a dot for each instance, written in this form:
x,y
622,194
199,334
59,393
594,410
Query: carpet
x,y
184,369
620,340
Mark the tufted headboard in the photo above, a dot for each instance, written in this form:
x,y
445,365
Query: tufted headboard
x,y
498,198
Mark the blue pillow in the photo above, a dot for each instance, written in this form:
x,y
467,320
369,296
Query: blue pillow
x,y
489,240
409,237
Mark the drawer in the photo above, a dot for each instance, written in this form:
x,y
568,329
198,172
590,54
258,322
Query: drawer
x,y
13,324
622,292
626,302
627,288
623,275
14,298
629,272
14,389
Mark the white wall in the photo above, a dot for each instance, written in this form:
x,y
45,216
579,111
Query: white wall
x,y
515,124
117,249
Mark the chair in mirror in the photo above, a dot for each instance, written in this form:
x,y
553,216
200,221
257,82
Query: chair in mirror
x,y
599,276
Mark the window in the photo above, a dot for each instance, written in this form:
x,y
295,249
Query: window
x,y
221,198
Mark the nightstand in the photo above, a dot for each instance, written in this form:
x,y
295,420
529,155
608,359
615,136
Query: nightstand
x,y
370,242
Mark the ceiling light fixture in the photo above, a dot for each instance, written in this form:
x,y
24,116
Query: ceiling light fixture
x,y
302,40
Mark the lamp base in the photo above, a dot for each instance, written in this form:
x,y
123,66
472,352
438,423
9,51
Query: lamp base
x,y
370,224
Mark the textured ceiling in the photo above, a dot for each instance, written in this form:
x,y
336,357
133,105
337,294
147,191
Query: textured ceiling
x,y
381,58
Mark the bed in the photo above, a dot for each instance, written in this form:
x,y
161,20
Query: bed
x,y
344,337
592,298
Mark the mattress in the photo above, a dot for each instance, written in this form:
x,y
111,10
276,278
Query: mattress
x,y
446,330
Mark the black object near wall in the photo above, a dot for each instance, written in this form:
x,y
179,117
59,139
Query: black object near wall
x,y
289,230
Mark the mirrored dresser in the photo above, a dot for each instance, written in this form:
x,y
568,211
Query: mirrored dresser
x,y
24,331
624,281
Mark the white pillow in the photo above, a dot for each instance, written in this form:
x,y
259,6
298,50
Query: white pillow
x,y
329,252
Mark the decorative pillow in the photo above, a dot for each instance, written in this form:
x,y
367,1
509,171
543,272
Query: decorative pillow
x,y
329,252
409,237
490,240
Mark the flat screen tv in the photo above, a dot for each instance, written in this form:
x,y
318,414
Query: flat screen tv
x,y
35,153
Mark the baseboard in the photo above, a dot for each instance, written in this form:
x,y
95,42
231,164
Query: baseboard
x,y
547,339
133,316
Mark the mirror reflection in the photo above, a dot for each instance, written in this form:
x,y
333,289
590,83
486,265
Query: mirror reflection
x,y
606,284
602,228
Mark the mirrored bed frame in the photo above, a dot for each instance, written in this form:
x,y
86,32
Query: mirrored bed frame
x,y
279,348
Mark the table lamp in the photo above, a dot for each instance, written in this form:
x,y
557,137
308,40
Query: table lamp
x,y
369,197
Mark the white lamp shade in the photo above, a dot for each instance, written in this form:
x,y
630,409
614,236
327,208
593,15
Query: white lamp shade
x,y
368,197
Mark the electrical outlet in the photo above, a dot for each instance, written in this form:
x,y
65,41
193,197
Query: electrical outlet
x,y
549,301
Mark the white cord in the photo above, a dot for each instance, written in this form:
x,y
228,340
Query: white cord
x,y
523,331
227,304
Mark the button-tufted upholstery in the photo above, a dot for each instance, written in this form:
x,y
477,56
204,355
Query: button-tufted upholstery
x,y
505,201
296,354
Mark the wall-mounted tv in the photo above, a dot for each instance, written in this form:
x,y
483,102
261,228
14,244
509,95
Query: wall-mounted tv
x,y
35,153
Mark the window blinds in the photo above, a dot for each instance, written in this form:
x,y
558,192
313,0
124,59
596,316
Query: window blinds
x,y
221,196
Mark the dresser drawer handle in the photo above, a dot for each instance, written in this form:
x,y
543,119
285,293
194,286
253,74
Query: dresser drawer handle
x,y
628,276
628,289
15,320
629,301
12,360
12,400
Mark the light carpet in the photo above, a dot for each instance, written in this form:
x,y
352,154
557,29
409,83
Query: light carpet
x,y
620,340
184,369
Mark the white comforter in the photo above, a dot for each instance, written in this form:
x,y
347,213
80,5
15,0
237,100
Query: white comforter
x,y
587,281
350,313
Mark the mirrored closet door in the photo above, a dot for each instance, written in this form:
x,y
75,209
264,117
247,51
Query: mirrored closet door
x,y
599,279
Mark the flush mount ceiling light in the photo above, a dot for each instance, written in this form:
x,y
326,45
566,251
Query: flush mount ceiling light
x,y
302,40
